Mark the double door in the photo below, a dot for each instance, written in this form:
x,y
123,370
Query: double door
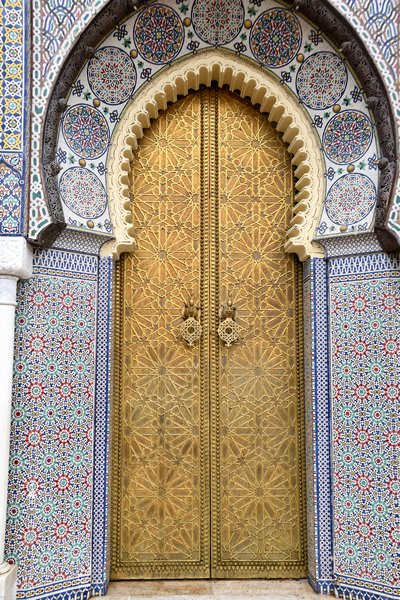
x,y
207,440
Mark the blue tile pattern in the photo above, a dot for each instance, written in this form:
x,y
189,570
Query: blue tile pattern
x,y
58,24
11,192
102,423
12,75
375,21
273,37
51,454
14,80
318,458
365,383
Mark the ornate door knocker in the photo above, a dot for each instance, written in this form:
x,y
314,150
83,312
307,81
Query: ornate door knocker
x,y
228,329
191,328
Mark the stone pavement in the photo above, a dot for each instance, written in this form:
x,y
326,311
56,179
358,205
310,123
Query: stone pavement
x,y
288,589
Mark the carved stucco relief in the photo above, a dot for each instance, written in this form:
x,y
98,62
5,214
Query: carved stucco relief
x,y
263,90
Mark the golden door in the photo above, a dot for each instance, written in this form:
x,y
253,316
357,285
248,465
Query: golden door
x,y
208,440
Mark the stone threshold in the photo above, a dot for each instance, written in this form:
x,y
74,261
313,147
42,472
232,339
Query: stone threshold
x,y
272,589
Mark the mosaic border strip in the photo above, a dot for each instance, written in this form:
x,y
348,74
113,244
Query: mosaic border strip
x,y
322,420
14,109
102,424
80,241
375,24
364,265
76,592
363,244
68,262
350,588
318,424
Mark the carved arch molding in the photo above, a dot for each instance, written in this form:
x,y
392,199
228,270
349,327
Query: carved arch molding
x,y
261,90
264,91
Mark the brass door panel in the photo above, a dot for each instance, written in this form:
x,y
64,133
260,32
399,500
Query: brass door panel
x,y
257,453
160,475
208,441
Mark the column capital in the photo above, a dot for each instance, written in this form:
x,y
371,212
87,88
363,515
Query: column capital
x,y
15,257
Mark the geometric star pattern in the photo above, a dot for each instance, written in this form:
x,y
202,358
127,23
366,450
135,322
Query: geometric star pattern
x,y
86,131
219,21
166,475
347,137
366,434
160,505
275,38
50,482
259,405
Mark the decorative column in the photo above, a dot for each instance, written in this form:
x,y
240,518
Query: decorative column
x,y
15,263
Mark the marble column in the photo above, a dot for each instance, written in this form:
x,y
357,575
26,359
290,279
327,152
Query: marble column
x,y
15,263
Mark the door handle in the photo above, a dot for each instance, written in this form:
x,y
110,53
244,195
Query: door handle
x,y
228,329
190,328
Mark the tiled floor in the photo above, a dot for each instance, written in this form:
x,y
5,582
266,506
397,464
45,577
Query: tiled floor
x,y
212,590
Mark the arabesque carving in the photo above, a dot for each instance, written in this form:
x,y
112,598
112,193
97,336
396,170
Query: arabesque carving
x,y
208,443
264,91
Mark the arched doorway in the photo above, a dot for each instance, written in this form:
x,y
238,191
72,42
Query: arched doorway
x,y
208,440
